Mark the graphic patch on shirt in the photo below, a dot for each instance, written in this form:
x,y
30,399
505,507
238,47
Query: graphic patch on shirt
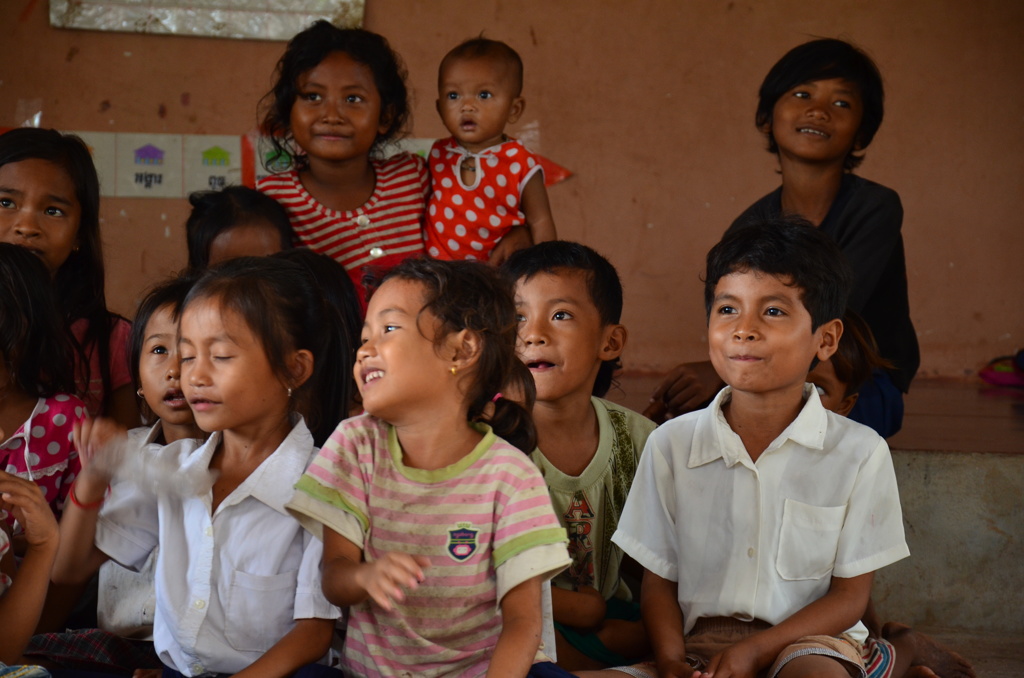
x,y
462,541
579,522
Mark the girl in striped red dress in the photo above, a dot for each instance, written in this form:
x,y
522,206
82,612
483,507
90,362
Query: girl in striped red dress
x,y
339,98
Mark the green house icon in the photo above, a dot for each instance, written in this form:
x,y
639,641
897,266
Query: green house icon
x,y
215,156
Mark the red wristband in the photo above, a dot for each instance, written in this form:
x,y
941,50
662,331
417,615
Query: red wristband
x,y
91,505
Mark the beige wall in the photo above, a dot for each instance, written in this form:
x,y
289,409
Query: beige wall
x,y
651,105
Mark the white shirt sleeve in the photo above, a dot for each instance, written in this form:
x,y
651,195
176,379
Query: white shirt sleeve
x,y
128,525
646,528
310,602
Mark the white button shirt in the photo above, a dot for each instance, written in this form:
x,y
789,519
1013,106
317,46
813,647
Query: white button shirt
x,y
229,584
762,540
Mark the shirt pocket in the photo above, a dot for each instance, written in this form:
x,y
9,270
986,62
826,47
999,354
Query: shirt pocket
x,y
260,609
808,541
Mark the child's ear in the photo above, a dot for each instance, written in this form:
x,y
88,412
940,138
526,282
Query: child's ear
x,y
464,346
516,110
300,368
385,121
828,338
846,404
614,342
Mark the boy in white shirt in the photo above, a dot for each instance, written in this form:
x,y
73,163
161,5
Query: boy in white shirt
x,y
761,519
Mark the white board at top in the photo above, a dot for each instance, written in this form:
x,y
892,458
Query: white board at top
x,y
246,19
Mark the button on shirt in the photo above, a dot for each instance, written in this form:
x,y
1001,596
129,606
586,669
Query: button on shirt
x,y
762,539
230,584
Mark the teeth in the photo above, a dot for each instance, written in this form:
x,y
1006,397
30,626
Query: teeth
x,y
371,376
808,130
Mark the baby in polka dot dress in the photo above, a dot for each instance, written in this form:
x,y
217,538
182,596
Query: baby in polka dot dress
x,y
484,184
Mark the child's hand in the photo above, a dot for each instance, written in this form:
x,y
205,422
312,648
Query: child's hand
x,y
686,388
386,579
24,500
100,445
517,238
677,669
736,661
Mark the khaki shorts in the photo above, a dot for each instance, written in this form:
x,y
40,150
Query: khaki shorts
x,y
711,636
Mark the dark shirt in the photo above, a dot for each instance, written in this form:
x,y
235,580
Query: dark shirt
x,y
865,221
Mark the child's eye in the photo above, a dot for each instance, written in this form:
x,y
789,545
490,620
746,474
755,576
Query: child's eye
x,y
800,94
520,318
159,350
310,96
6,203
561,315
726,310
222,358
485,95
390,328
452,96
774,312
354,99
842,104
54,212
187,358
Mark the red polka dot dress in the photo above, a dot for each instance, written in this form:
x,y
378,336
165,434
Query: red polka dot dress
x,y
466,222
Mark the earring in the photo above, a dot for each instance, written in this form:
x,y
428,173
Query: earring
x,y
454,370
139,393
289,391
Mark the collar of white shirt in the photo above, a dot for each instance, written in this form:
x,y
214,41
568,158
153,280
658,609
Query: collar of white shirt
x,y
714,439
269,482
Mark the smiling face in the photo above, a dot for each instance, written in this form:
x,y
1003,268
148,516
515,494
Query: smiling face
x,y
160,369
477,98
337,112
561,337
760,338
398,367
818,121
39,210
225,374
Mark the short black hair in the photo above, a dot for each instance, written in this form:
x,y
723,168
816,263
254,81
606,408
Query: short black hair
x,y
785,247
857,355
214,212
304,52
603,284
822,60
484,48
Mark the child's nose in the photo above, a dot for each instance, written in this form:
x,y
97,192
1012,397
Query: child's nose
x,y
532,334
26,225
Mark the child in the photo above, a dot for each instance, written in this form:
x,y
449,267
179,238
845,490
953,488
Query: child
x,y
36,414
49,203
437,532
568,302
234,222
126,599
820,107
237,579
484,183
22,593
760,520
339,98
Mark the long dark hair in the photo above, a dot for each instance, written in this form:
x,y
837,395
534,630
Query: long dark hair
x,y
33,341
214,212
469,295
280,303
79,281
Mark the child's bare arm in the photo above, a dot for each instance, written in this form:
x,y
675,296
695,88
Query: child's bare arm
x,y
520,631
833,613
22,604
78,558
583,609
518,238
538,210
659,607
304,644
348,580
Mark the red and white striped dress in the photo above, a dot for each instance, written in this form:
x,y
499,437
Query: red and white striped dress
x,y
382,232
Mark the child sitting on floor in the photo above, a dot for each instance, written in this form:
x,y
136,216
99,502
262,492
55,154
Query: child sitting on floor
x,y
484,183
761,519
568,304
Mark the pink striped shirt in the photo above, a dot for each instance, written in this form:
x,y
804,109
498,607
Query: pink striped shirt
x,y
485,524
381,233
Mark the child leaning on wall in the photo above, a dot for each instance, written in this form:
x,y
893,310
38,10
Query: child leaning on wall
x,y
820,107
568,306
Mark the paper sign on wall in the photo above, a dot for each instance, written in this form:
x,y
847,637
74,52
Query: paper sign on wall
x,y
149,165
212,162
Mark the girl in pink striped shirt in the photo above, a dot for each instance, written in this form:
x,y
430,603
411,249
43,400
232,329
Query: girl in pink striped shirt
x,y
437,532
